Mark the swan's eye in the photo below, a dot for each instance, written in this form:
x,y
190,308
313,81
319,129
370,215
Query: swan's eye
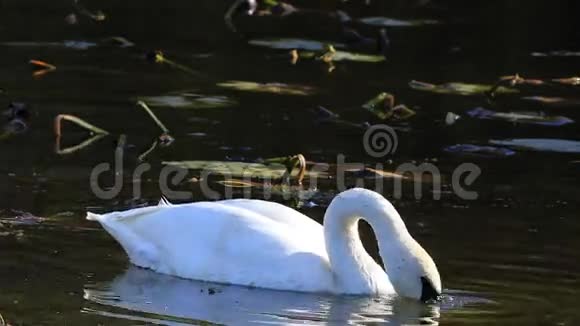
x,y
428,292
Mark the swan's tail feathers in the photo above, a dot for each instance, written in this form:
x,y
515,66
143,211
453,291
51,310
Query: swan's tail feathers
x,y
164,202
93,216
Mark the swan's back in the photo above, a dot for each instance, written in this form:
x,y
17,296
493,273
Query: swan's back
x,y
246,242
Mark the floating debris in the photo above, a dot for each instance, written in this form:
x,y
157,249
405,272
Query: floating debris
x,y
540,144
352,56
553,101
383,106
477,150
236,7
451,118
189,100
271,169
459,88
17,115
118,41
275,88
17,218
570,81
165,138
71,19
41,67
561,53
70,44
97,16
520,117
157,56
98,133
295,43
514,80
78,121
395,22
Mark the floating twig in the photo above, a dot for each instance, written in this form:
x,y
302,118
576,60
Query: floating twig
x,y
157,56
141,157
292,162
42,64
75,148
230,14
80,122
153,116
43,68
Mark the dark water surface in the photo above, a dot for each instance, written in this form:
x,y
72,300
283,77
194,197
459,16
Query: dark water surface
x,y
509,257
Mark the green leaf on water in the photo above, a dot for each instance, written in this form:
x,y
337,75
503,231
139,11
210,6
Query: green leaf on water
x,y
230,169
345,56
275,88
456,88
383,106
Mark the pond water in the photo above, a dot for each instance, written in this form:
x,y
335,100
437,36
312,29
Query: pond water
x,y
510,256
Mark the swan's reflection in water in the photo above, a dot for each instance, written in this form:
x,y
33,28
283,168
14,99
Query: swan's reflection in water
x,y
142,295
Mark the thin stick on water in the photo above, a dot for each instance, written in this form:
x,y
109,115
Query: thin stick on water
x,y
153,116
75,148
142,157
78,121
293,162
230,13
158,57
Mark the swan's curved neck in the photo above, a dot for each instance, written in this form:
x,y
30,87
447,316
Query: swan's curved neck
x,y
354,269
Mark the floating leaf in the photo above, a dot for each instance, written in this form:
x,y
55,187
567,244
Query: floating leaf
x,y
520,117
275,88
395,22
344,56
71,44
294,43
274,171
273,168
458,88
189,101
477,150
16,217
571,81
553,101
541,144
383,107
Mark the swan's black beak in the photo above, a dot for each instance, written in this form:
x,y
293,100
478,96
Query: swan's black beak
x,y
428,293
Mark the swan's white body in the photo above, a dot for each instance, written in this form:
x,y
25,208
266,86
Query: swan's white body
x,y
265,244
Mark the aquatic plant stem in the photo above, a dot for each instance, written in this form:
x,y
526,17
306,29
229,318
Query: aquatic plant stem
x,y
141,157
80,122
230,13
153,116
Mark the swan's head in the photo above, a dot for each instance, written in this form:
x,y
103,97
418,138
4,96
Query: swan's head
x,y
412,271
410,268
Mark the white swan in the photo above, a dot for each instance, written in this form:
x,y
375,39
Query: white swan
x,y
265,244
